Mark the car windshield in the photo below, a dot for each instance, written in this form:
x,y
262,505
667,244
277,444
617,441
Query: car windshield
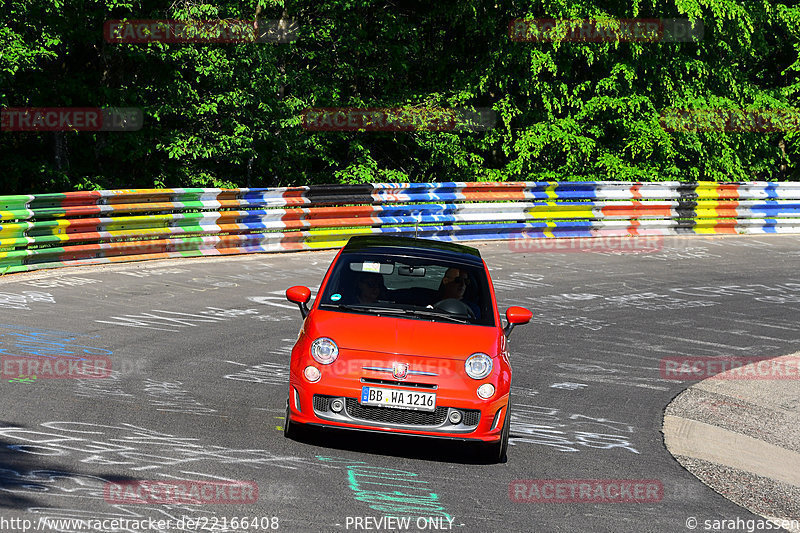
x,y
409,287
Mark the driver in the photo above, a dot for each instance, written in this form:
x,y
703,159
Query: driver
x,y
370,287
454,285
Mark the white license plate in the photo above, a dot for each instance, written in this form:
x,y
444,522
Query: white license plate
x,y
399,399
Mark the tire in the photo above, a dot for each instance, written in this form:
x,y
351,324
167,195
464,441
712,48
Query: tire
x,y
289,429
502,455
498,453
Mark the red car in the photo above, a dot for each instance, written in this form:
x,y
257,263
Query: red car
x,y
404,337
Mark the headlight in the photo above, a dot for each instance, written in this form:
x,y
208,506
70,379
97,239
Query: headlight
x,y
478,366
324,350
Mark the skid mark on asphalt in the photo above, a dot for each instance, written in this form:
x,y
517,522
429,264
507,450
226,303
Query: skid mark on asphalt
x,y
548,426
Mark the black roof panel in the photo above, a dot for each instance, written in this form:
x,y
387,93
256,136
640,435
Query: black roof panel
x,y
387,243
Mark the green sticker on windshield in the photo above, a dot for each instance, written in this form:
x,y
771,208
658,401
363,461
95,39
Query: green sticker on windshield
x,y
336,297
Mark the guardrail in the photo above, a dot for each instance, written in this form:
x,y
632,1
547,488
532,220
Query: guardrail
x,y
75,228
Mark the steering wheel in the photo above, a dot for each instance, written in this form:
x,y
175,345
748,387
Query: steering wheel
x,y
454,306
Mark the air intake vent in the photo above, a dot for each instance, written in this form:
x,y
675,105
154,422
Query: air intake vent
x,y
321,403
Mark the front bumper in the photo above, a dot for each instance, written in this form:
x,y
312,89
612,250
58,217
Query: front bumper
x,y
480,420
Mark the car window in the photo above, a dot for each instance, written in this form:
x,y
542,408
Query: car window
x,y
414,288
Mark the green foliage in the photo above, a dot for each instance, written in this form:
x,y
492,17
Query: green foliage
x,y
225,115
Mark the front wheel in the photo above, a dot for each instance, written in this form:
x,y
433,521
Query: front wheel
x,y
289,429
499,450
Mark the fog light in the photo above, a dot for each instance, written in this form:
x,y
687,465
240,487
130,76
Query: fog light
x,y
312,373
454,417
486,391
337,405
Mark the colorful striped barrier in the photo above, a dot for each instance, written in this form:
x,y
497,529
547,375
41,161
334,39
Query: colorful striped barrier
x,y
74,228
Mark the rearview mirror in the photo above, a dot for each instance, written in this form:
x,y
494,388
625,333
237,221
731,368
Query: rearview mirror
x,y
516,316
418,272
299,295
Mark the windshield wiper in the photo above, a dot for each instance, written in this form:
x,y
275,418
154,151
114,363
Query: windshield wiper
x,y
437,314
376,309
366,308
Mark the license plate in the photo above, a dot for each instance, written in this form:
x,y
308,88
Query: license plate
x,y
399,399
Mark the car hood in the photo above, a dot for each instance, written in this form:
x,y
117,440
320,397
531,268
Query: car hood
x,y
404,336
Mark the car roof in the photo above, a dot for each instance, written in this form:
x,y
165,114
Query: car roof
x,y
411,246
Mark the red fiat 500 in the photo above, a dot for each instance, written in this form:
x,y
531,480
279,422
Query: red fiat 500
x,y
404,337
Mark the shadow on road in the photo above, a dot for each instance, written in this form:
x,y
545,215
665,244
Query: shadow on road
x,y
28,477
424,448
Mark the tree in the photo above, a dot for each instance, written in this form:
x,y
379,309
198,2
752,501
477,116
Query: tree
x,y
219,115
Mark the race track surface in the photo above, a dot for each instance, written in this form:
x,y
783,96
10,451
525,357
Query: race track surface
x,y
200,347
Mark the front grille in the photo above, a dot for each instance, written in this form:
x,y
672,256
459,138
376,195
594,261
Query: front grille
x,y
389,415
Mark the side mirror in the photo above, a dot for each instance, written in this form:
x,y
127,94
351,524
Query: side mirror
x,y
299,295
516,316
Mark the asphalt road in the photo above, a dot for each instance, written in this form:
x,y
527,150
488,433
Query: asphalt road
x,y
200,349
